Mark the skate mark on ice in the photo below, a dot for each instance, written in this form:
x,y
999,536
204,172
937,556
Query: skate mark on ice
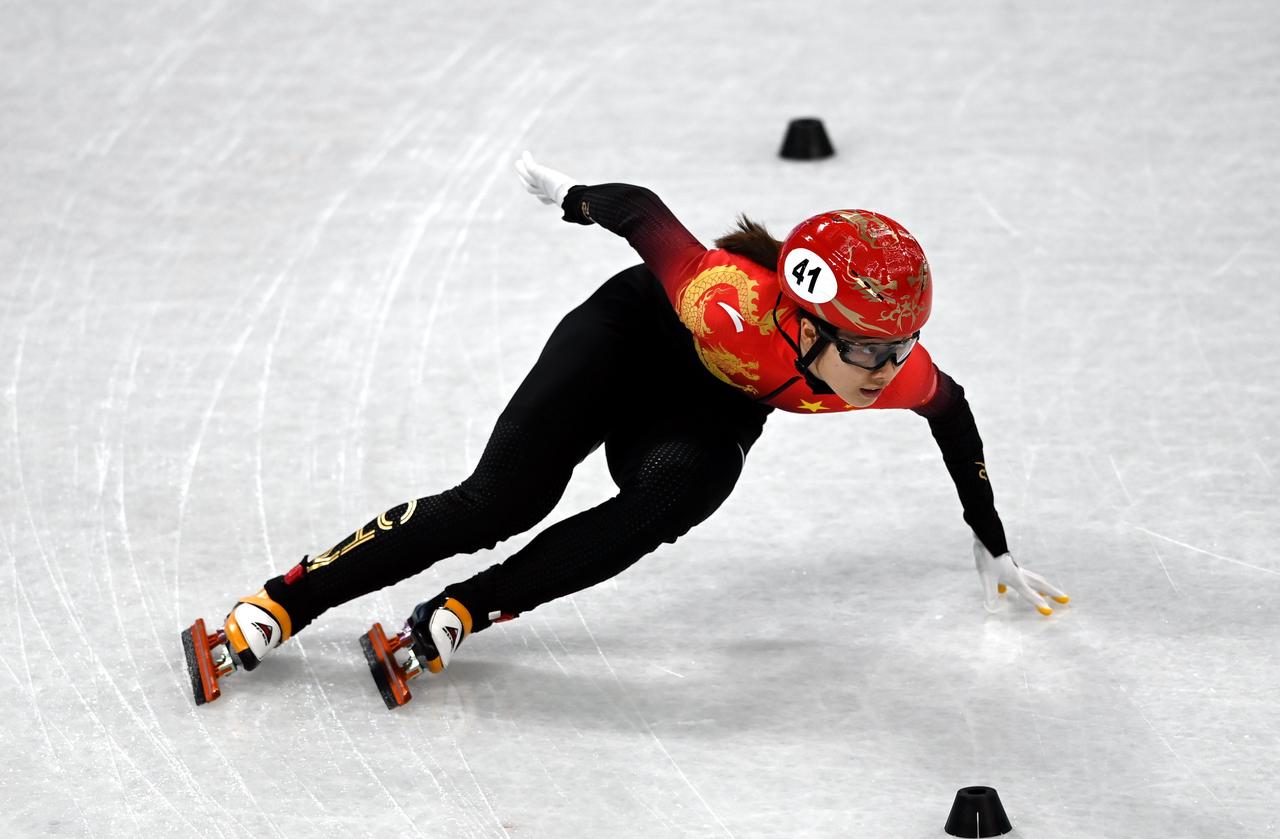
x,y
1226,266
533,628
410,244
193,457
381,604
499,168
551,94
645,722
264,383
962,101
1120,480
442,198
341,728
268,554
170,54
164,747
26,665
118,458
17,586
359,756
1215,382
1241,563
71,683
189,467
557,743
1155,549
117,464
277,282
475,780
995,214
1190,774
56,578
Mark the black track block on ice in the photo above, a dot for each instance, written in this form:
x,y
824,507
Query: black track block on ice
x,y
977,812
806,140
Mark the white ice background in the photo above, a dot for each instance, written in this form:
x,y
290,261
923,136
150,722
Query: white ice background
x,y
266,271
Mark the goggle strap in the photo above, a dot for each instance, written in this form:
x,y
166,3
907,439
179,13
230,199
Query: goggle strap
x,y
803,360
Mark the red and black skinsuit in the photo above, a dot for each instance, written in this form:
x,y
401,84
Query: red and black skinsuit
x,y
673,366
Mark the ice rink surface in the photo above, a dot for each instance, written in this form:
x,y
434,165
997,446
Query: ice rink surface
x,y
267,272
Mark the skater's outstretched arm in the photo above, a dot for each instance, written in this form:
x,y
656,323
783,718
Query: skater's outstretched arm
x,y
633,212
956,432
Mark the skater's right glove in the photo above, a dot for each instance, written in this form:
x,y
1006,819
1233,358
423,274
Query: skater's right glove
x,y
1000,572
549,185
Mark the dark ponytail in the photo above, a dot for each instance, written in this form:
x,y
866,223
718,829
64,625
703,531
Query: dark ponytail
x,y
752,241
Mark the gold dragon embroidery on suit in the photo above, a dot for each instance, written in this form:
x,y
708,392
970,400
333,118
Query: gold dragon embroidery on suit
x,y
694,299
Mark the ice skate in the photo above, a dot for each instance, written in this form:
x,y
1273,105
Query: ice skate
x,y
427,642
255,626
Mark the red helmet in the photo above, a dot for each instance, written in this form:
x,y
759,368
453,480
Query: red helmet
x,y
857,270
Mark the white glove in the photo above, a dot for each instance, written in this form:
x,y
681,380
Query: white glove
x,y
546,183
999,573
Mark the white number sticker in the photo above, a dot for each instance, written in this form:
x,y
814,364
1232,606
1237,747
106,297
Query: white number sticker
x,y
810,277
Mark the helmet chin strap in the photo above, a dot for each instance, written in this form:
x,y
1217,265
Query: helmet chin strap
x,y
804,359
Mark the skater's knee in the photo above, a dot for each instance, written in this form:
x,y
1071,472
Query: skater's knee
x,y
505,502
689,468
683,483
515,484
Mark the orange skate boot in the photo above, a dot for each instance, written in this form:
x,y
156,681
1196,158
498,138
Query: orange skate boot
x,y
255,626
427,642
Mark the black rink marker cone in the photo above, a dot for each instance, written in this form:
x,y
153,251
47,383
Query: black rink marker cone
x,y
806,140
977,811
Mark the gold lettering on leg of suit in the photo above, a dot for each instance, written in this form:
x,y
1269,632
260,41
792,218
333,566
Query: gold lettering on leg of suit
x,y
323,559
364,534
357,539
982,472
385,522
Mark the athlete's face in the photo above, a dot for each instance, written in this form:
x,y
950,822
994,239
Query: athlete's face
x,y
856,385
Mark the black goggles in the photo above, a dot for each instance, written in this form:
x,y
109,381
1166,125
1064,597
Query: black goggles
x,y
869,356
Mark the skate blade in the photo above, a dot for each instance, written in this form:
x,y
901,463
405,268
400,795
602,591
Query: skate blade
x,y
204,679
382,666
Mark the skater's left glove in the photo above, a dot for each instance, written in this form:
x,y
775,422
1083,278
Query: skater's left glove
x,y
547,184
999,573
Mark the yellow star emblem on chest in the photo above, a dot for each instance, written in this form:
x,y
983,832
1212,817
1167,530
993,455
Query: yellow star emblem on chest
x,y
815,407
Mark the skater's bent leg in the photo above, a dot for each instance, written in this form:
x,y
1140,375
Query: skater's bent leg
x,y
519,479
560,412
676,484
